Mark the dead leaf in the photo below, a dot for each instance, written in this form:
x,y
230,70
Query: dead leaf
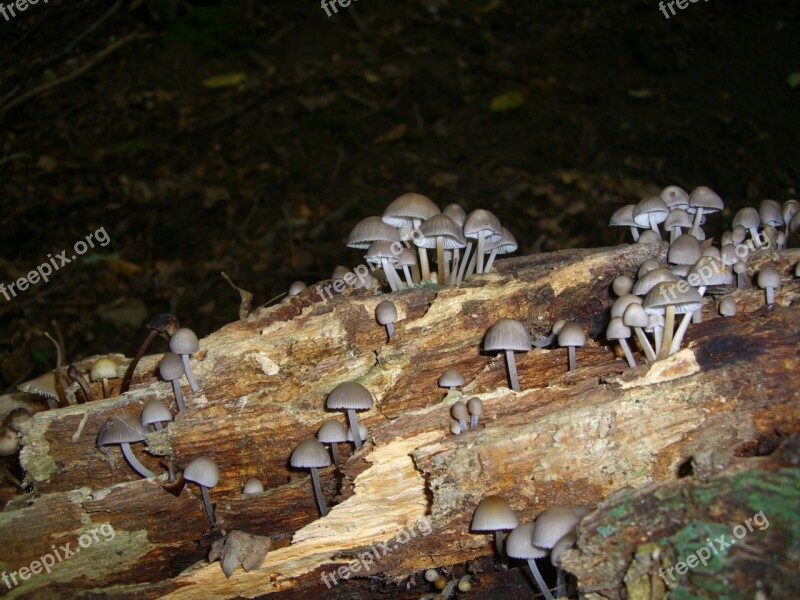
x,y
226,80
392,135
508,101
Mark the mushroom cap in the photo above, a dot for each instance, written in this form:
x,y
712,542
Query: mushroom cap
x,y
562,545
507,334
647,266
789,209
363,432
455,212
713,252
475,406
558,325
506,244
770,213
623,217
719,272
124,429
338,272
332,432
668,293
379,250
184,341
407,258
675,197
553,524
459,410
622,303
404,210
747,217
519,545
386,312
103,368
455,427
648,236
651,278
171,366
296,288
622,285
203,471
571,335
768,277
485,221
451,378
634,316
617,330
310,453
371,230
43,385
678,218
739,267
654,207
253,486
493,513
705,198
727,306
9,442
440,226
155,411
685,250
350,395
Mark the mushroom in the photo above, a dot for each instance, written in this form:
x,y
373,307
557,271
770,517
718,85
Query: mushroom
x,y
519,545
311,454
789,209
571,335
164,325
9,442
623,217
451,379
332,432
634,316
769,280
184,343
204,472
465,584
561,546
740,268
340,271
483,226
102,370
670,298
475,407
649,237
294,289
683,253
43,385
618,331
494,514
622,285
362,431
655,209
154,413
675,197
125,430
408,212
676,222
406,259
460,413
748,218
455,427
385,254
702,201
350,396
727,306
386,314
441,232
508,335
771,216
706,272
171,369
505,245
75,374
253,485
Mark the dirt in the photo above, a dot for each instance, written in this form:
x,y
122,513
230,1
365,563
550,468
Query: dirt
x,y
335,117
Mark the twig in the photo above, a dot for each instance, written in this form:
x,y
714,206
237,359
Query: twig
x,y
77,72
62,396
246,298
82,36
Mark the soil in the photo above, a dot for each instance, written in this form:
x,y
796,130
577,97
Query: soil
x,y
249,137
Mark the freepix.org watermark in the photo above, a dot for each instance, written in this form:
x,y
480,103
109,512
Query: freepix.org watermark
x,y
328,5
365,560
12,8
681,4
46,269
714,547
47,561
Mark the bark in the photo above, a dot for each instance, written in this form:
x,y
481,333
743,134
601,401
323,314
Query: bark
x,y
566,438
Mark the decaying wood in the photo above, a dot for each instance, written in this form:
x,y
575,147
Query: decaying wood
x,y
566,438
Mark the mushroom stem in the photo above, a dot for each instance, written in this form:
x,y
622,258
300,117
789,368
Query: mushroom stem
x,y
463,424
696,223
538,577
658,334
189,375
176,387
490,262
386,271
755,237
78,377
628,356
678,337
423,264
473,422
462,267
390,330
351,417
472,263
158,426
512,370
740,280
571,355
134,462
440,270
561,584
318,491
770,295
480,249
407,273
499,545
455,266
669,325
335,454
697,316
126,381
105,387
635,233
207,503
649,354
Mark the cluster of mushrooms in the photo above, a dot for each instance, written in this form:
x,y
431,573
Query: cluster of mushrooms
x,y
694,266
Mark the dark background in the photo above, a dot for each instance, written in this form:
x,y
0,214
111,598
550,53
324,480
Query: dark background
x,y
335,118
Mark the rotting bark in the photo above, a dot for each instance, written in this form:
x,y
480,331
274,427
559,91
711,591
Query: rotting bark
x,y
567,438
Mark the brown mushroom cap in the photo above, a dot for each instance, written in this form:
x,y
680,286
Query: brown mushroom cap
x,y
507,334
493,513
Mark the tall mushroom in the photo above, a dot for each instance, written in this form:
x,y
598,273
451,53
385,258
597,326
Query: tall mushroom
x,y
702,201
494,514
505,245
184,342
408,212
654,209
164,325
204,472
519,546
332,432
571,336
442,233
171,369
508,335
385,254
481,225
125,430
311,454
618,331
351,396
670,298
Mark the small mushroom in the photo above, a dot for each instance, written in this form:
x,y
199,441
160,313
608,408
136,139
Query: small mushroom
x,y
386,314
727,306
560,547
460,412
634,316
656,211
253,485
769,280
311,454
622,285
519,545
623,217
164,325
296,288
508,335
44,386
571,336
155,413
350,396
618,331
363,432
239,548
494,514
451,379
332,432
126,430
475,407
9,442
171,369
102,370
431,575
455,427
184,342
204,472
483,226
703,201
740,268
465,584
